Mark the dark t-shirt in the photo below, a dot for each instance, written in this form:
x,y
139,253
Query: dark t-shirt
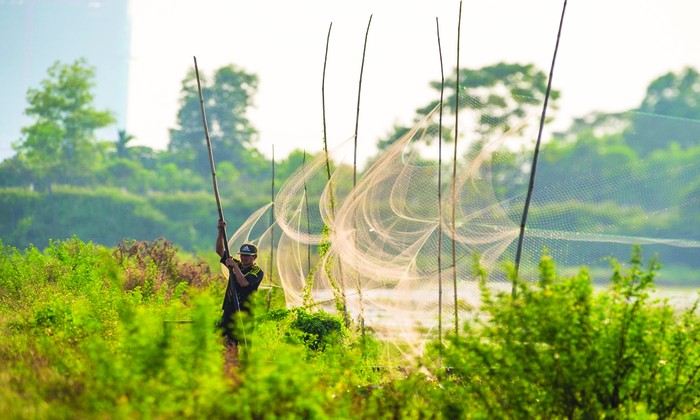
x,y
254,275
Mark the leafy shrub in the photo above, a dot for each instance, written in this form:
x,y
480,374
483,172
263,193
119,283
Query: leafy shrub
x,y
318,329
78,345
560,350
280,385
152,266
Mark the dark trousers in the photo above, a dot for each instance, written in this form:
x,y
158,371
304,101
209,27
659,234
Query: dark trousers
x,y
231,327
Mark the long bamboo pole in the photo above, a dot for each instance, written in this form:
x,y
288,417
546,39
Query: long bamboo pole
x,y
439,190
533,170
454,183
308,217
325,132
358,279
272,229
328,173
231,292
359,95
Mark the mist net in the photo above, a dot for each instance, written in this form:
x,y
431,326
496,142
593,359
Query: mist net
x,y
393,249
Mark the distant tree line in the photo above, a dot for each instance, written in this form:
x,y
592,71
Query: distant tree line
x,y
634,173
64,180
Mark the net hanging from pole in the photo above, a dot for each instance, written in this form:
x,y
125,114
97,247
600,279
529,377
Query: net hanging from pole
x,y
385,228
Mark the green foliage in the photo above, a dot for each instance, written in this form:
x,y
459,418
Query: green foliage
x,y
152,266
265,393
60,150
616,192
668,114
104,216
106,192
79,344
108,216
60,145
227,99
15,172
82,342
305,365
561,350
501,95
318,329
591,156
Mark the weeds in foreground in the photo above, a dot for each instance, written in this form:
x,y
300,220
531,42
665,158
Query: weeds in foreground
x,y
80,341
559,350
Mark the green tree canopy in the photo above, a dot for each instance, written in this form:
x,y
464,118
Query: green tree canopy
x,y
60,147
122,147
226,100
670,112
502,95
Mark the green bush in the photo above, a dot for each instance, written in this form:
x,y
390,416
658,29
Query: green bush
x,y
80,342
108,215
558,349
318,329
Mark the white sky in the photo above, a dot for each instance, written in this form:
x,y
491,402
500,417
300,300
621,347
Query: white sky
x,y
609,52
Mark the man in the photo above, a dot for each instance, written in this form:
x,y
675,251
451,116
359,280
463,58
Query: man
x,y
245,278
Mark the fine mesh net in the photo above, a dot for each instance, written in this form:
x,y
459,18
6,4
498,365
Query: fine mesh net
x,y
395,251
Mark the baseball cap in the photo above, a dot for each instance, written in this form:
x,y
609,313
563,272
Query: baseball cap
x,y
248,249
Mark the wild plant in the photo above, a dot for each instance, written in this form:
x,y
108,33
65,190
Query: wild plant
x,y
561,349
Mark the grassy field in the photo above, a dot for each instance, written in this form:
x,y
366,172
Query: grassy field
x,y
88,332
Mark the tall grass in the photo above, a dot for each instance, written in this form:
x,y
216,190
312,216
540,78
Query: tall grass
x,y
90,332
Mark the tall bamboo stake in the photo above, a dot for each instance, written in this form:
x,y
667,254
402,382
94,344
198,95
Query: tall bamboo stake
x,y
328,172
439,190
325,133
454,182
357,114
272,229
308,219
531,184
358,279
231,292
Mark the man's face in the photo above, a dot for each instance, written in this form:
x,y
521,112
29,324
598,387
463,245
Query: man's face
x,y
247,260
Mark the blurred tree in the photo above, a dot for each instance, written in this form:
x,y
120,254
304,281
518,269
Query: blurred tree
x,y
226,101
60,147
122,143
670,112
597,124
602,161
502,95
293,162
15,173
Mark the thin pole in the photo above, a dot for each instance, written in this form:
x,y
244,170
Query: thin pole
x,y
272,229
308,219
230,287
454,182
358,279
328,171
357,114
325,133
531,184
439,190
